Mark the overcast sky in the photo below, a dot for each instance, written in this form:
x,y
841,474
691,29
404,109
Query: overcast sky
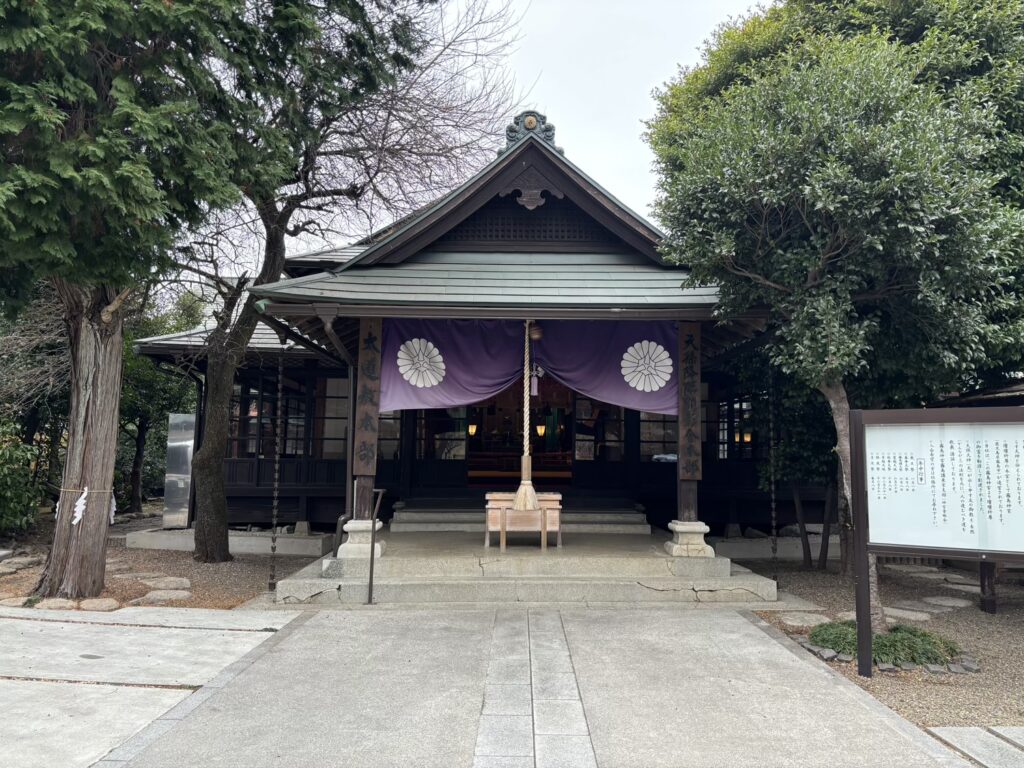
x,y
591,65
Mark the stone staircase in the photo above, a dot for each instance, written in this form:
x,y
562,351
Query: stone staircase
x,y
433,568
619,517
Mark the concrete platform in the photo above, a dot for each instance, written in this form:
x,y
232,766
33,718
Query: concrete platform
x,y
240,542
589,568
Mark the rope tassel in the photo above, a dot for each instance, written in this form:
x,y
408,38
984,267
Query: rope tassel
x,y
526,496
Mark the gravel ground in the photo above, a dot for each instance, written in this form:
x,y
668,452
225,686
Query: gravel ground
x,y
219,585
995,696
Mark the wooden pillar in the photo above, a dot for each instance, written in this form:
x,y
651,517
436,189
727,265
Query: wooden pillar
x,y
688,465
367,415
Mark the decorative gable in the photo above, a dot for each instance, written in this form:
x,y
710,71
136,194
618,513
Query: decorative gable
x,y
557,224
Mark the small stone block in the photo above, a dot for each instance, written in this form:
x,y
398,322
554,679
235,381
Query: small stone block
x,y
559,717
884,666
970,665
803,619
948,602
57,604
565,752
826,654
6,570
908,666
99,604
15,602
26,561
168,582
844,657
5,553
505,735
901,614
161,596
507,699
555,685
935,669
956,669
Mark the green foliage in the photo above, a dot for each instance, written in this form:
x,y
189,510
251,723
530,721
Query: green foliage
x,y
18,494
107,148
849,199
969,51
121,123
899,644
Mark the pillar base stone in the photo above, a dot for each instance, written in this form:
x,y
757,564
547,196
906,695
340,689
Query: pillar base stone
x,y
357,545
688,539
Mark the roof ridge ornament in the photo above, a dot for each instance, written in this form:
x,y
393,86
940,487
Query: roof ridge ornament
x,y
530,122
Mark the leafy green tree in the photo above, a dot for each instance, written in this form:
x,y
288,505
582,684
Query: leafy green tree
x,y
846,197
107,155
19,494
382,108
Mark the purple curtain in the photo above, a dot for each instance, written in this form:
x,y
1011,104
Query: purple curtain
x,y
448,363
631,363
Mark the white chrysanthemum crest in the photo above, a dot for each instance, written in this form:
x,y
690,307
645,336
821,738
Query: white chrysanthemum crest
x,y
646,366
421,363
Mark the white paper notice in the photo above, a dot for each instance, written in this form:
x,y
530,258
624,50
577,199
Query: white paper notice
x,y
946,485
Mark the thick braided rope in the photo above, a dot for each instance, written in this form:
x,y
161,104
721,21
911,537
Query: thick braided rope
x,y
526,389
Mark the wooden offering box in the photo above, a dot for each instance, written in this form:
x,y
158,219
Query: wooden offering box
x,y
502,518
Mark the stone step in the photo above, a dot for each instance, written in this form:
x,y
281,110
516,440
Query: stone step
x,y
553,565
478,527
738,588
980,745
477,516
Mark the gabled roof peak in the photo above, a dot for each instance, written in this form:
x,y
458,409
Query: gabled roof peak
x,y
530,123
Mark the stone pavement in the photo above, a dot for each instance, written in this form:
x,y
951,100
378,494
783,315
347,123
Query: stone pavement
x,y
538,687
74,685
991,748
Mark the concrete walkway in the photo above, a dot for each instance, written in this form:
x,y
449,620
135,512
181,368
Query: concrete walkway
x,y
75,685
486,688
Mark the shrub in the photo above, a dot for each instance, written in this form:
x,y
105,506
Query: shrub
x,y
899,644
18,494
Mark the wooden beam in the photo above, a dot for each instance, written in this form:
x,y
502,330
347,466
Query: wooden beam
x,y
284,330
328,326
688,449
364,457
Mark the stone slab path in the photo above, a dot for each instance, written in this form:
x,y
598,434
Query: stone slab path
x,y
74,685
992,747
538,687
532,712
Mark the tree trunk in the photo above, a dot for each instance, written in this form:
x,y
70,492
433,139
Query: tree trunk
x,y
211,526
225,351
839,403
77,562
801,523
141,431
30,425
826,525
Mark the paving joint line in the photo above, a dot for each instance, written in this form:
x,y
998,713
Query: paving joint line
x,y
128,750
66,681
65,620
